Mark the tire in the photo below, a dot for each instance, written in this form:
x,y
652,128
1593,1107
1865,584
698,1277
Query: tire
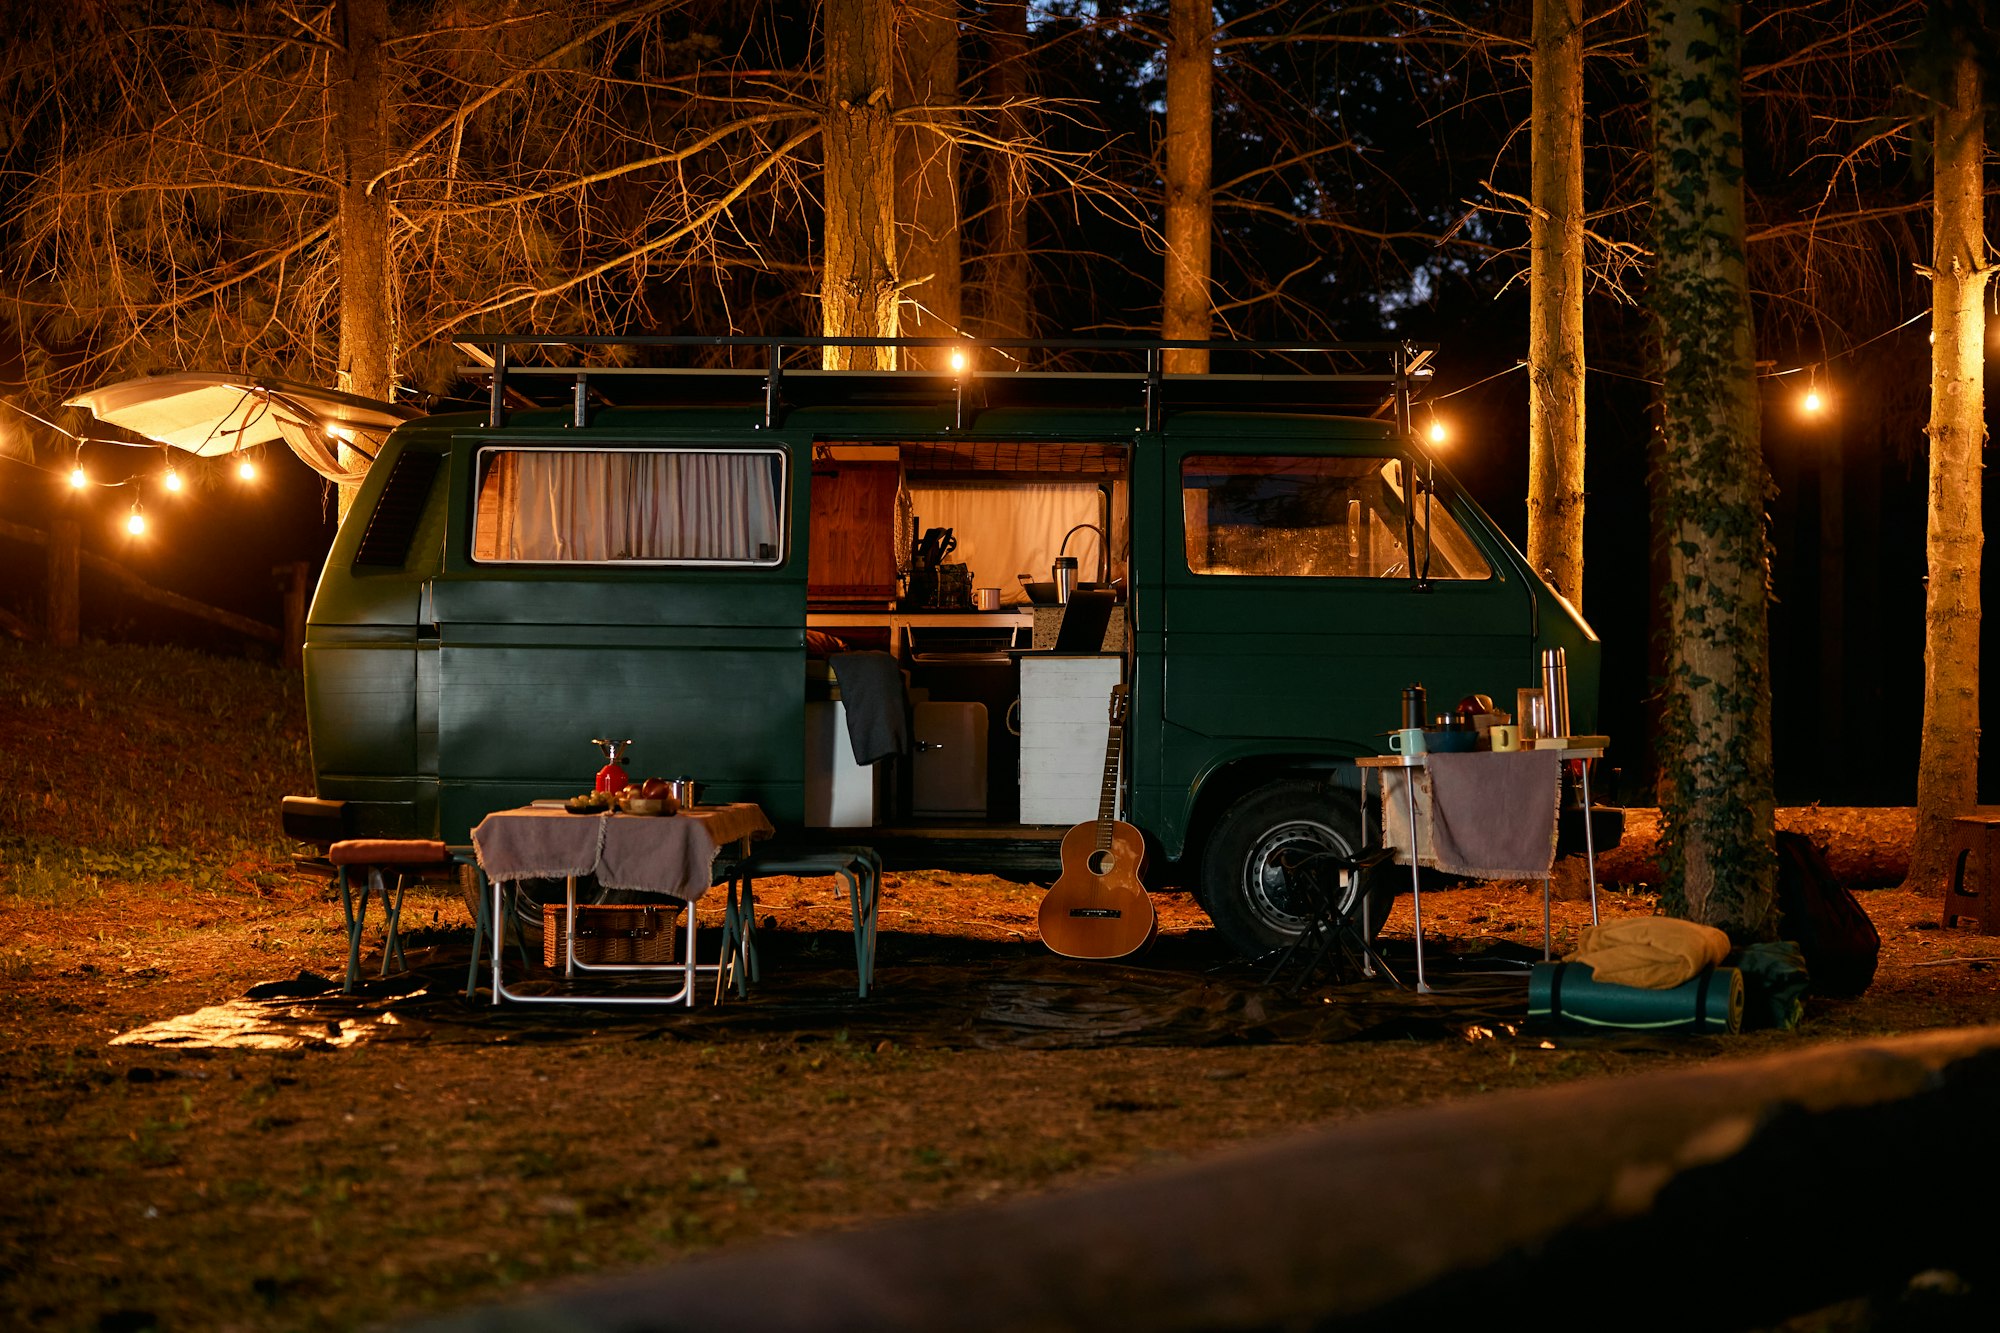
x,y
1242,885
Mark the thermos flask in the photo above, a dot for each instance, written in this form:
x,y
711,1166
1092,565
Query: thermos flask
x,y
1413,706
1555,690
1064,574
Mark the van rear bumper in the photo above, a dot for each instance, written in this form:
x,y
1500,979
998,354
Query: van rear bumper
x,y
311,819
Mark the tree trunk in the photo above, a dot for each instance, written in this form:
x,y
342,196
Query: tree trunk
x,y
1008,303
1948,767
858,285
1555,301
361,129
927,198
1710,489
1186,310
63,611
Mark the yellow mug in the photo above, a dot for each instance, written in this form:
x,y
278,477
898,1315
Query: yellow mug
x,y
1506,740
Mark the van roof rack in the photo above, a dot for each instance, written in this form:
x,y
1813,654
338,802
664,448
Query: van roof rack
x,y
1372,379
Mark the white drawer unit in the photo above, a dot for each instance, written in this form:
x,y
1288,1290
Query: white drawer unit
x,y
839,792
1065,720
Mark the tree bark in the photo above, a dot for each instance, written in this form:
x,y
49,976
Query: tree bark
x,y
1186,308
927,167
361,129
1555,300
1008,301
858,291
1948,765
1711,488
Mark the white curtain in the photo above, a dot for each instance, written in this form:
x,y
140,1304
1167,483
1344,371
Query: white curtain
x,y
630,504
1006,530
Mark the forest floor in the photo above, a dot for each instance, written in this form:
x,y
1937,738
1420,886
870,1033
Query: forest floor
x,y
315,1161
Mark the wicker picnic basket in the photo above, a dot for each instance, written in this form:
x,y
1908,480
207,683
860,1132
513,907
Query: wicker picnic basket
x,y
640,933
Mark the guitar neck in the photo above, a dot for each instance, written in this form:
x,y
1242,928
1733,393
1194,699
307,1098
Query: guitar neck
x,y
1107,804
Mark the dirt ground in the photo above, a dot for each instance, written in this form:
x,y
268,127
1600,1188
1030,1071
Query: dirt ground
x,y
339,1184
406,1152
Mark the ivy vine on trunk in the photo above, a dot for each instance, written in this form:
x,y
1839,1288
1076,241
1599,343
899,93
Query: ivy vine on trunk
x,y
1710,485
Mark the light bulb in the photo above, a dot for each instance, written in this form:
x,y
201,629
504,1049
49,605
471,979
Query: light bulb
x,y
78,478
247,470
958,361
173,480
1437,432
1813,402
135,522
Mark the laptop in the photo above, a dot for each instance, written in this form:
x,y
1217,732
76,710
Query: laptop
x,y
1084,621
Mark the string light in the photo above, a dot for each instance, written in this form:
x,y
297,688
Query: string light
x,y
246,470
78,478
958,361
172,481
135,522
1812,401
1437,433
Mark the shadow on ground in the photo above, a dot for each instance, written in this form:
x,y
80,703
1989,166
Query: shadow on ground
x,y
944,993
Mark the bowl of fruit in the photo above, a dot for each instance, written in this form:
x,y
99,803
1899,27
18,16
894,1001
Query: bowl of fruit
x,y
590,803
651,797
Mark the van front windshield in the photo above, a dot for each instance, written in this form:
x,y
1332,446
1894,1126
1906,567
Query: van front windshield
x,y
1311,517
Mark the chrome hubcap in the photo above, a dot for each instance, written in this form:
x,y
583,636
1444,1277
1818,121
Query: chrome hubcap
x,y
1264,885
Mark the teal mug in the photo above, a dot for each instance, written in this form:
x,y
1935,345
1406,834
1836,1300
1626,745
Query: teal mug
x,y
1408,741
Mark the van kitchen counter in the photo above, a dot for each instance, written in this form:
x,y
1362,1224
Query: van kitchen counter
x,y
896,622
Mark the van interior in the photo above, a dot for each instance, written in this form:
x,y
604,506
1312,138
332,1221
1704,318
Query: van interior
x,y
942,554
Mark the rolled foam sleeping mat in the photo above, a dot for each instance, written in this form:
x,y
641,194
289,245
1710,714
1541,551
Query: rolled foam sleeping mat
x,y
1566,995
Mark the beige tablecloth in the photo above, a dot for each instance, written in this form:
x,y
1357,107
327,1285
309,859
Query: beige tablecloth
x,y
666,854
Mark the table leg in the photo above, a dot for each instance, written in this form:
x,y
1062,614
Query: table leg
x,y
569,929
499,933
1416,889
1589,843
1361,890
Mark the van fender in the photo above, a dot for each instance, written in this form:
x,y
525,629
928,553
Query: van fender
x,y
1236,773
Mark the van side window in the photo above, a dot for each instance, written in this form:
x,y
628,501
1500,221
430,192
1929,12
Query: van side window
x,y
1274,516
643,506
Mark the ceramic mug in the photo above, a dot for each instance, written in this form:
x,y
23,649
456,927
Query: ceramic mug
x,y
1409,740
1506,739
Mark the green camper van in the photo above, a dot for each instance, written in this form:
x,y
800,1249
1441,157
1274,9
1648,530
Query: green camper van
x,y
627,544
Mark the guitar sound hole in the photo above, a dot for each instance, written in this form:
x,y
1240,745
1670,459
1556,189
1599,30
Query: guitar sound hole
x,y
1100,863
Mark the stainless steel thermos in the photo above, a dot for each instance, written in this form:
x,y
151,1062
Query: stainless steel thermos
x,y
1413,707
1555,690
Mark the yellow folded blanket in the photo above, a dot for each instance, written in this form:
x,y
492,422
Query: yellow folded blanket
x,y
1650,952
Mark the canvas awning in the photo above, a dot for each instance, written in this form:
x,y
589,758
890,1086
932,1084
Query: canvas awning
x,y
209,413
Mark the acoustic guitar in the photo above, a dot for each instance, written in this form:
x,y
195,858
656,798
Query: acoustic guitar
x,y
1097,907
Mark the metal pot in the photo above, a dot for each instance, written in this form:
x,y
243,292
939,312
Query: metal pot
x,y
685,791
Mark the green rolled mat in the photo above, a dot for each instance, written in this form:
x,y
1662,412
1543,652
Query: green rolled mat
x,y
1566,995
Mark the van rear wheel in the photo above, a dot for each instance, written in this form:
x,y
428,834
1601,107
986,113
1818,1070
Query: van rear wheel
x,y
1243,880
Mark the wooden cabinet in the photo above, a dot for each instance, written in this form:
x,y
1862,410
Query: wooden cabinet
x,y
852,552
